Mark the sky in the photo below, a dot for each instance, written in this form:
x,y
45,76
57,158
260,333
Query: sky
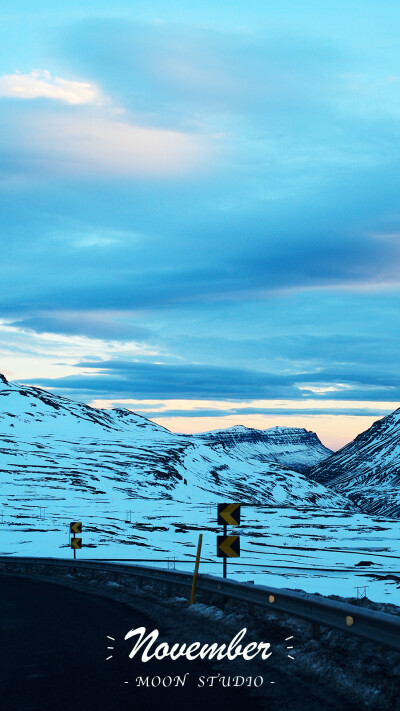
x,y
200,215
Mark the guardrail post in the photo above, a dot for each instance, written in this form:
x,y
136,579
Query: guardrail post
x,y
316,630
206,596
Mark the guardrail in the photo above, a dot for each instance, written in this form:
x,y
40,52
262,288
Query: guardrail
x,y
378,627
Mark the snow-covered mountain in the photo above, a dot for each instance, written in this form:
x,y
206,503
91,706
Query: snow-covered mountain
x,y
53,448
144,493
295,447
367,470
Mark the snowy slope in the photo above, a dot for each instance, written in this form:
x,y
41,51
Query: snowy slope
x,y
295,447
36,411
56,449
144,493
368,469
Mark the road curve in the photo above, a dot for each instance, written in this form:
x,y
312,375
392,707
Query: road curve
x,y
54,658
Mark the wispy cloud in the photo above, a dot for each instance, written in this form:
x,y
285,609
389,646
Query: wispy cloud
x,y
39,83
101,144
224,407
57,344
158,380
94,141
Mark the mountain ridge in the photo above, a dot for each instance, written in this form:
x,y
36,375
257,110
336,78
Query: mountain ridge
x,y
76,449
367,470
296,447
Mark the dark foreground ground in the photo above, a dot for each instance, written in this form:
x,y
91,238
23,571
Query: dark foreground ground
x,y
54,649
53,643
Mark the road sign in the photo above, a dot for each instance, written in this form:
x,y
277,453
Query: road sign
x,y
229,514
76,543
75,527
228,546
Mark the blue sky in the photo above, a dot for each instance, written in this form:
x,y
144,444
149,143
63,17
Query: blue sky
x,y
200,209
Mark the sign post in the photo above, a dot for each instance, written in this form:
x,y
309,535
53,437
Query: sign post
x,y
196,570
228,546
76,543
224,558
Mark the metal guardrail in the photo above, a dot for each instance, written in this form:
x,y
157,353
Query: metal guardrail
x,y
378,627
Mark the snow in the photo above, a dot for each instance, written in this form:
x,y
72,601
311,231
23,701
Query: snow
x,y
76,452
315,551
144,493
294,447
368,469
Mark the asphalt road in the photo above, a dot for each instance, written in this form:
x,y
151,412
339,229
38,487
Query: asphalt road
x,y
54,646
53,657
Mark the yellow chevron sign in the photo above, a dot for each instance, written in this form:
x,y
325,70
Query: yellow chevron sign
x,y
75,527
229,514
228,546
76,543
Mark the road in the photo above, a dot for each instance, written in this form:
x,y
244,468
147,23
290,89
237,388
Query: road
x,y
53,656
54,649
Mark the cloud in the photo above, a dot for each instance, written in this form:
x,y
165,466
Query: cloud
x,y
92,324
114,378
160,246
95,144
179,71
39,83
55,344
242,211
211,408
164,380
